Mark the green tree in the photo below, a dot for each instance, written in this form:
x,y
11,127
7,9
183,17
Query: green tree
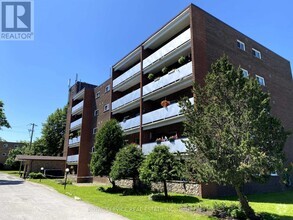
x,y
233,138
127,163
10,161
159,166
53,131
108,141
3,120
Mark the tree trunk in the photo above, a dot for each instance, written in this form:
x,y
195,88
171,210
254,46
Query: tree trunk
x,y
112,182
165,189
244,204
134,184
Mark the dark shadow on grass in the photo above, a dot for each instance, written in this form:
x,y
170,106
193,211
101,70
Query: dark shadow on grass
x,y
285,197
271,216
10,182
174,199
124,191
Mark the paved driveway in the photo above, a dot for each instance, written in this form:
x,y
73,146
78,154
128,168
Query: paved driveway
x,y
24,200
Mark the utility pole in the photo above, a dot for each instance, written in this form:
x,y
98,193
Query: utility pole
x,y
32,130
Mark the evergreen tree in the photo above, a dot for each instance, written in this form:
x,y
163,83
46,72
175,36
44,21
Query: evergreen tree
x,y
108,141
233,138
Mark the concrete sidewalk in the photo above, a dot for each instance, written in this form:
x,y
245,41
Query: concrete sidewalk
x,y
24,200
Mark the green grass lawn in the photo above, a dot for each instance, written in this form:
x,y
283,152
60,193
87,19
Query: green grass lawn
x,y
140,207
11,172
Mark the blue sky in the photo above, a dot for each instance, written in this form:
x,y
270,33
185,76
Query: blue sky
x,y
89,36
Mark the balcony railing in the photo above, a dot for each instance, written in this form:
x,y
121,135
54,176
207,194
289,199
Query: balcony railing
x,y
162,113
76,124
129,73
74,141
77,108
73,158
130,123
79,95
174,146
126,99
163,51
169,78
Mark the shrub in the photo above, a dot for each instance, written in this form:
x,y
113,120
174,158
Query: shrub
x,y
33,175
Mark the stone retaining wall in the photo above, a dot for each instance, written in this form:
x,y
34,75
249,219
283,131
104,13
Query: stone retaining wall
x,y
172,186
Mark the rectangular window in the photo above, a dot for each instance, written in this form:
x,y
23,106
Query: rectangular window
x,y
107,89
106,107
245,73
256,53
98,94
96,112
260,80
241,45
94,130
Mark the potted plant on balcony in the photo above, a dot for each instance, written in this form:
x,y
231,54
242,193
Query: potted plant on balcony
x,y
165,103
159,140
182,60
165,70
151,76
172,138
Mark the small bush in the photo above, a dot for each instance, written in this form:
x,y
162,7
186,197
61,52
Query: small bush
x,y
182,60
33,175
221,210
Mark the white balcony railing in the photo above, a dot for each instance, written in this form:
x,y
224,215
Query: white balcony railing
x,y
162,113
77,107
79,95
175,146
169,78
126,99
72,158
130,123
76,124
74,141
172,45
129,73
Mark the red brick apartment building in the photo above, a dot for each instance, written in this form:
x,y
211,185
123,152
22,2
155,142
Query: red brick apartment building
x,y
135,97
5,147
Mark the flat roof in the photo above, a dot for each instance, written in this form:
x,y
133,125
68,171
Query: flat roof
x,y
32,157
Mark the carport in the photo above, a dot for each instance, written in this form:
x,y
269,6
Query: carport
x,y
29,163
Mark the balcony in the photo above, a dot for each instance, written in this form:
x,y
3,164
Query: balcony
x,y
74,142
77,109
76,125
175,146
131,99
163,116
127,79
72,159
131,125
168,48
79,95
176,78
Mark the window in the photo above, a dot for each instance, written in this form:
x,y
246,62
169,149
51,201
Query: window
x,y
241,45
106,107
3,154
245,73
96,112
260,80
256,53
98,94
107,89
94,130
5,145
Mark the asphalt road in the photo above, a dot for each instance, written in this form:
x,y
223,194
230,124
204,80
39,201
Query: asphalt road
x,y
25,200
